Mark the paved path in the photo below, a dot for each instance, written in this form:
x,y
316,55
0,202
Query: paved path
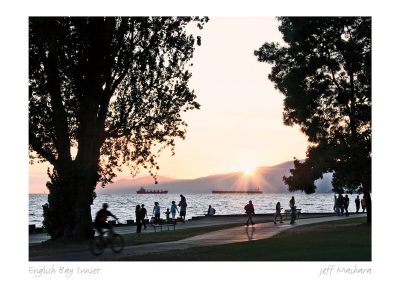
x,y
194,223
226,236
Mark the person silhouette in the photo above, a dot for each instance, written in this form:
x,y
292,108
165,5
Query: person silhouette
x,y
335,207
167,213
249,209
143,215
357,201
363,204
139,217
278,209
292,202
100,221
346,204
340,204
157,213
210,211
174,210
183,205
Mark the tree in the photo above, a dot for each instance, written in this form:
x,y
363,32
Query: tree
x,y
324,72
104,92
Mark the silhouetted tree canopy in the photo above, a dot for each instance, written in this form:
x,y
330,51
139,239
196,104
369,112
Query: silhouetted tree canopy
x,y
324,72
104,92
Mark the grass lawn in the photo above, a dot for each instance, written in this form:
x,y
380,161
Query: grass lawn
x,y
345,240
55,247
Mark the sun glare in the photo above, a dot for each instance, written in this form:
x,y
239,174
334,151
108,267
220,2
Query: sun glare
x,y
248,171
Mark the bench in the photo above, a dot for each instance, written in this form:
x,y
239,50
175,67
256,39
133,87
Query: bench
x,y
172,224
287,213
160,226
156,226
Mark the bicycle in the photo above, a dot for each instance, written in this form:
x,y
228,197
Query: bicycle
x,y
100,243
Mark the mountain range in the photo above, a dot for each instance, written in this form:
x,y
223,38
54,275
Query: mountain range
x,y
268,179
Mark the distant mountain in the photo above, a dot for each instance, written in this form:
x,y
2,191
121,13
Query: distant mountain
x,y
129,185
267,179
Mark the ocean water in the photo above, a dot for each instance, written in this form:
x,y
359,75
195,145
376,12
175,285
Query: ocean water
x,y
123,204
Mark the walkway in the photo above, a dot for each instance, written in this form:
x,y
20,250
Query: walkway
x,y
193,223
226,236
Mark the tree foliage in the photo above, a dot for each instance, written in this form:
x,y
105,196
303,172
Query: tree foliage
x,y
324,72
104,92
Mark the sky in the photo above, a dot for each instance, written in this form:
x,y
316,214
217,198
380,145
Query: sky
x,y
239,125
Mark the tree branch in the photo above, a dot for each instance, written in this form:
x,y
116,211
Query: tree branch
x,y
40,150
54,84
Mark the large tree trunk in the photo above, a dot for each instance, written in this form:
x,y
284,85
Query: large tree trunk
x,y
67,214
83,228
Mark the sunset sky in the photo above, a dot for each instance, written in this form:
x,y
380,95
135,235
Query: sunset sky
x,y
239,125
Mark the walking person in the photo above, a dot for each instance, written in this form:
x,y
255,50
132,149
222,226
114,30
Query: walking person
x,y
183,205
292,206
278,209
363,204
144,215
357,201
346,205
138,213
249,208
174,210
340,204
156,213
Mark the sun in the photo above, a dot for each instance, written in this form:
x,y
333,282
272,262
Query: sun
x,y
248,170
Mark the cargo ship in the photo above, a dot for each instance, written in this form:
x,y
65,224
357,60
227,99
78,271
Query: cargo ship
x,y
256,191
143,191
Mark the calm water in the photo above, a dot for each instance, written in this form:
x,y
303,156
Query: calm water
x,y
123,204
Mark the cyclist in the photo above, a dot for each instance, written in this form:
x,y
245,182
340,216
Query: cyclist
x,y
100,221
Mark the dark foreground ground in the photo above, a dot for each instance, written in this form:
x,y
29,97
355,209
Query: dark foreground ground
x,y
344,240
311,238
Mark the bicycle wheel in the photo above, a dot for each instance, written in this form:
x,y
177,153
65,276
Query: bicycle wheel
x,y
97,246
117,243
